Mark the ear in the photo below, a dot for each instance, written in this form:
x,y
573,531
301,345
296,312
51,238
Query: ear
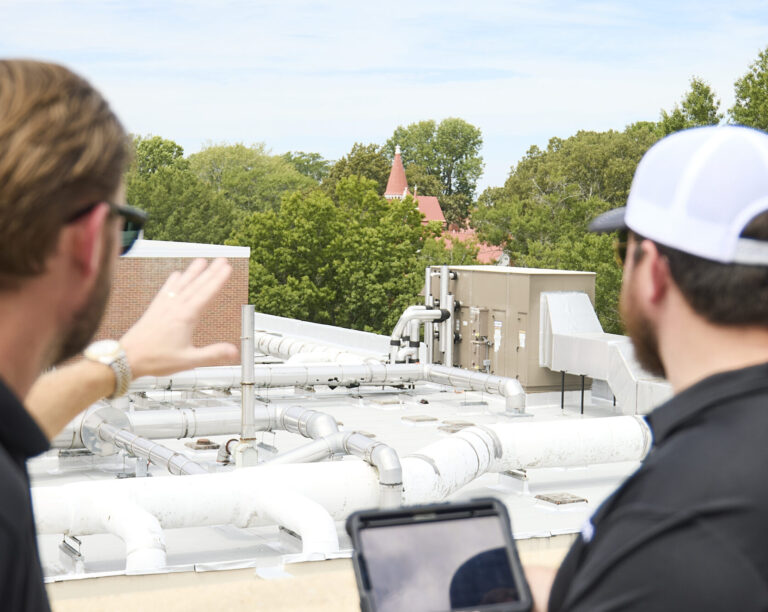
x,y
660,276
85,240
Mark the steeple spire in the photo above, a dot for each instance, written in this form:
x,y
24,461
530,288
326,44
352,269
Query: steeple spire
x,y
397,185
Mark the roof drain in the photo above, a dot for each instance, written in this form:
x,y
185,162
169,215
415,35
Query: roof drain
x,y
384,458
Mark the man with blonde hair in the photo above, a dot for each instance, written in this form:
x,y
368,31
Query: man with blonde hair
x,y
63,222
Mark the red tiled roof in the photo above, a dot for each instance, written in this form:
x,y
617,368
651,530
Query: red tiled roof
x,y
487,253
429,206
397,184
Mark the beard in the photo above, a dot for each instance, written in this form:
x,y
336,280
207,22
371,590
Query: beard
x,y
85,321
642,331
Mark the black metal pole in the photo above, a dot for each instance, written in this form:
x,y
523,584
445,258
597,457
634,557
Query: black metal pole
x,y
562,390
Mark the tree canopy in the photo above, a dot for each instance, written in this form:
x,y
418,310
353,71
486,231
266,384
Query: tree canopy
x,y
751,104
312,165
249,177
366,161
541,214
354,260
181,206
699,107
445,156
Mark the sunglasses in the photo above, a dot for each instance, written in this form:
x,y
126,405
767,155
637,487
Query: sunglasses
x,y
133,221
620,243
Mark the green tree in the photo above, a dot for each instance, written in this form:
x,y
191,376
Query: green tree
x,y
450,153
248,177
181,207
153,152
354,260
751,105
699,107
541,214
366,161
312,165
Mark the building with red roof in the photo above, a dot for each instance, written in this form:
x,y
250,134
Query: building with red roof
x,y
429,206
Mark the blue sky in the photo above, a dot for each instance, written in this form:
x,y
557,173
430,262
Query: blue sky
x,y
319,76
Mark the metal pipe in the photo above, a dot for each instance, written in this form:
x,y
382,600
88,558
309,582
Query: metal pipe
x,y
448,355
155,453
248,397
341,487
412,313
429,302
445,326
384,458
286,347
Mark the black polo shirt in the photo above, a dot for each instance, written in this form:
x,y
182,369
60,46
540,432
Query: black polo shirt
x,y
689,529
21,579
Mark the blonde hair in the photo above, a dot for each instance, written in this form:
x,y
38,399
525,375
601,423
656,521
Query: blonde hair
x,y
61,147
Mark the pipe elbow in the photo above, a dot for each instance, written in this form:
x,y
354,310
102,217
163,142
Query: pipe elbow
x,y
384,458
320,425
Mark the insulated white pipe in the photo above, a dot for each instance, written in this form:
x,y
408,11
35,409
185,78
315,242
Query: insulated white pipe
x,y
245,498
447,465
412,314
286,347
175,423
343,486
306,498
381,456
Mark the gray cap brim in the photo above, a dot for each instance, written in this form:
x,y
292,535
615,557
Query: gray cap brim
x,y
609,221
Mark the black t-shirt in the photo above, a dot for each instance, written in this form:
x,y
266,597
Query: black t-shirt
x,y
21,578
689,529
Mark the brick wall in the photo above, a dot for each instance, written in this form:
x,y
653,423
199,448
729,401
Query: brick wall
x,y
138,279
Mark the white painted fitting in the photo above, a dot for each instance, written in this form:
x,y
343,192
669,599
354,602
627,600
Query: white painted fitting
x,y
445,466
384,458
254,496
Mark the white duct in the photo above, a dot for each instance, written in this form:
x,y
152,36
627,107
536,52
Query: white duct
x,y
253,496
447,465
572,340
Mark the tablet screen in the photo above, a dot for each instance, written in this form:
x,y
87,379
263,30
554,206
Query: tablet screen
x,y
434,566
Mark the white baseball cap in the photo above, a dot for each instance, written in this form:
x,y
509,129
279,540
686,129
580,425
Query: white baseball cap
x,y
696,190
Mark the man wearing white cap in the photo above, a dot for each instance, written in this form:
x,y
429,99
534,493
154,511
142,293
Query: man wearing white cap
x,y
689,530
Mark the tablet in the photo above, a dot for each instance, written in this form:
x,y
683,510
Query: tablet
x,y
438,558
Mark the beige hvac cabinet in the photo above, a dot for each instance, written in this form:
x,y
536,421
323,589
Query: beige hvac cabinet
x,y
496,321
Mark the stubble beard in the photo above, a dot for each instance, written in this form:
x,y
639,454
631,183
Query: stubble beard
x,y
85,321
642,331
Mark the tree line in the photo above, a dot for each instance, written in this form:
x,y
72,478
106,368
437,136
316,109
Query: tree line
x,y
541,213
326,247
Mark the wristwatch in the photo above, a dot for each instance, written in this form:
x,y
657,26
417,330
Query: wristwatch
x,y
110,353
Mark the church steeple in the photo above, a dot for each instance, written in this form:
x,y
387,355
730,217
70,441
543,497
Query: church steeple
x,y
397,185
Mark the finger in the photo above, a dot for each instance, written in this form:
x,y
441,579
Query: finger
x,y
171,284
222,353
206,286
192,272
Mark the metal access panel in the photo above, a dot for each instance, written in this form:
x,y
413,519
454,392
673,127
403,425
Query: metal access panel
x,y
496,321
